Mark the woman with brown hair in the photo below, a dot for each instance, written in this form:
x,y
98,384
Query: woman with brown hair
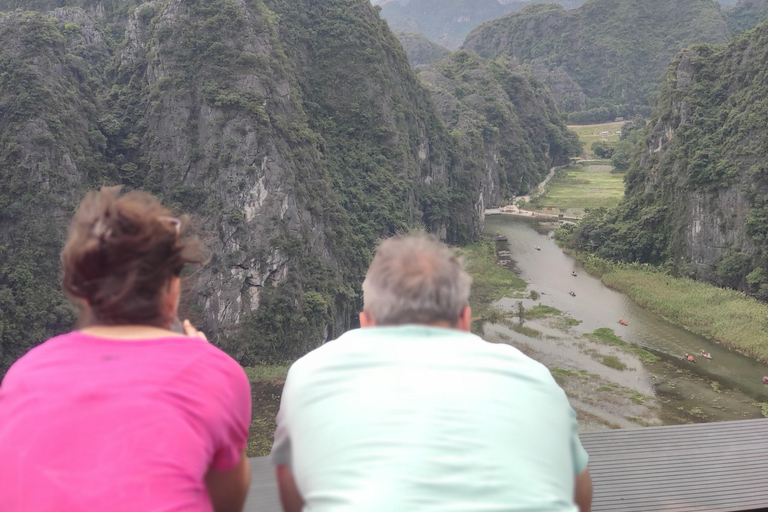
x,y
124,414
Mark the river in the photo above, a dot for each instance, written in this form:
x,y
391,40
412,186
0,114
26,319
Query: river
x,y
668,391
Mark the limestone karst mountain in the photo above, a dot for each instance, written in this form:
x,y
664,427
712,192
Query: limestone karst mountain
x,y
296,132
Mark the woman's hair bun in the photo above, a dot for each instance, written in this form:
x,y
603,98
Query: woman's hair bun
x,y
121,251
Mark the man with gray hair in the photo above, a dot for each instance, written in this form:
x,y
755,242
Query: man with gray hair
x,y
413,413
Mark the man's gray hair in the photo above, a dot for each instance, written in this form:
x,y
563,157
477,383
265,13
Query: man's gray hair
x,y
415,278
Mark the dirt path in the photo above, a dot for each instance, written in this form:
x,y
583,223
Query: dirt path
x,y
539,189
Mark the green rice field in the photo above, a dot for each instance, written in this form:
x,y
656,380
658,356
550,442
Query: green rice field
x,y
590,133
585,185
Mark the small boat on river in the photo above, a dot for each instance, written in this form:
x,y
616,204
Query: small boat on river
x,y
705,355
623,322
573,273
537,247
500,238
571,294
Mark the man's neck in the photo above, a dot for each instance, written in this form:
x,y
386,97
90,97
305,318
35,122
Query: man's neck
x,y
439,325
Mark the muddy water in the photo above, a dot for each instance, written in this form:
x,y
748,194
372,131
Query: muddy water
x,y
727,387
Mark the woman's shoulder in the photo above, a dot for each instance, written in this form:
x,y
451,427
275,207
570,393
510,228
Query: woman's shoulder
x,y
216,380
47,348
213,364
38,356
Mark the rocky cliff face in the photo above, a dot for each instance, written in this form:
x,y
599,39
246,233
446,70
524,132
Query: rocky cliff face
x,y
208,114
614,50
295,132
697,193
565,91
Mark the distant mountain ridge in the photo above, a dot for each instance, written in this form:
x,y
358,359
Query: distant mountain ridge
x,y
746,14
448,22
614,50
421,50
445,22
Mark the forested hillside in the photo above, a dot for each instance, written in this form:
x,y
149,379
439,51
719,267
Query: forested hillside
x,y
697,189
295,131
746,14
502,118
51,151
604,58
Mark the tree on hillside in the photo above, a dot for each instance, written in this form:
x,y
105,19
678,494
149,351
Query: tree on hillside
x,y
602,149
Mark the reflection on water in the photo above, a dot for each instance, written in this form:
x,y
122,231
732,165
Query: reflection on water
x,y
549,272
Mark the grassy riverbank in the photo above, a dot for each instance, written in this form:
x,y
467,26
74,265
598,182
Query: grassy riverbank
x,y
490,281
266,388
727,316
608,337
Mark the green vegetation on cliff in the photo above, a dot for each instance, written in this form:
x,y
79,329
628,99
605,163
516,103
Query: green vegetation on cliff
x,y
297,149
613,51
50,152
697,187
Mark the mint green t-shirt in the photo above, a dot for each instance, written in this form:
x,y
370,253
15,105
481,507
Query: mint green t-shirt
x,y
416,418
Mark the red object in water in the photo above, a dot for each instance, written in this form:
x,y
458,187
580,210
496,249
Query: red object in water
x,y
623,322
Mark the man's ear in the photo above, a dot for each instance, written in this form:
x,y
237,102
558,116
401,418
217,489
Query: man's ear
x,y
465,319
366,320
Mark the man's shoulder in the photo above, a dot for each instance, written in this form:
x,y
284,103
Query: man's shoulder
x,y
328,351
514,358
464,346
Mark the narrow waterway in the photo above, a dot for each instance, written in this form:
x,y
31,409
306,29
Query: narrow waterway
x,y
729,386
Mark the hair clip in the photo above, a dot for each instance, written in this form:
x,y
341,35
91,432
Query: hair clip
x,y
174,221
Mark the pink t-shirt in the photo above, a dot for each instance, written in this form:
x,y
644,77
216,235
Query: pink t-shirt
x,y
94,424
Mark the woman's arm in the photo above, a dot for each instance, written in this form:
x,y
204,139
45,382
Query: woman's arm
x,y
290,496
228,489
